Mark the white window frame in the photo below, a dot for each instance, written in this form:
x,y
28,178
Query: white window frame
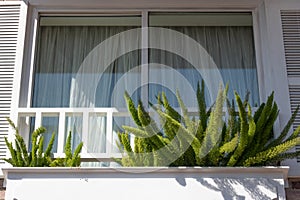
x,y
31,41
32,32
273,49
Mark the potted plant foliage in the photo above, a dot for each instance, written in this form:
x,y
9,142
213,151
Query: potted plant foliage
x,y
232,148
216,137
221,153
39,156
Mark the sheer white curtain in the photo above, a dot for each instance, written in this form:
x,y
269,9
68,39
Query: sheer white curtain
x,y
71,71
62,65
61,53
230,47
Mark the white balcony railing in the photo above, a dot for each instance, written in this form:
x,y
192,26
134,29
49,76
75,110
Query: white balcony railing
x,y
27,117
24,121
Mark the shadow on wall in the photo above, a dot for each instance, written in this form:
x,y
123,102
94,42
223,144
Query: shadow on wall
x,y
238,188
175,184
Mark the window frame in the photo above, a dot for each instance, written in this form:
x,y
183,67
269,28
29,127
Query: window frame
x,y
32,30
31,42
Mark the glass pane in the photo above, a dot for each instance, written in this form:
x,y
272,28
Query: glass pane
x,y
97,134
86,62
26,127
214,47
74,125
118,122
51,125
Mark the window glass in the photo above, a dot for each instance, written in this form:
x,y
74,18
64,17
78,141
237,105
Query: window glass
x,y
225,53
80,63
91,61
80,60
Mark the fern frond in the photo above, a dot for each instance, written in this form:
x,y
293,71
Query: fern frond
x,y
169,110
267,133
40,159
23,148
132,109
284,156
243,134
68,147
202,104
285,130
12,124
271,153
295,134
230,146
136,131
126,143
20,161
50,146
76,156
187,120
214,127
13,160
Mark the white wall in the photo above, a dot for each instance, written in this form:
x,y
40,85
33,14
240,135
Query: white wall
x,y
268,33
147,4
145,183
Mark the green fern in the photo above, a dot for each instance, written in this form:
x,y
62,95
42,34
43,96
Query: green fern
x,y
71,159
211,139
19,156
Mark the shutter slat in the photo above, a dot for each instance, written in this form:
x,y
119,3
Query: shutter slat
x,y
295,101
9,34
291,38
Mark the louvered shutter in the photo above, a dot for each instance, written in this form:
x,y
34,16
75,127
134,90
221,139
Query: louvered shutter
x,y
291,37
12,30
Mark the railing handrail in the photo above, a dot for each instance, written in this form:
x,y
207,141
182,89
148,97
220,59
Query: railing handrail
x,y
62,113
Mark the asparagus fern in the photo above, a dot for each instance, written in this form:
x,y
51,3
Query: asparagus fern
x,y
37,157
242,138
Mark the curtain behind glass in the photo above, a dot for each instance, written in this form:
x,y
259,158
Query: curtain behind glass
x,y
61,52
232,49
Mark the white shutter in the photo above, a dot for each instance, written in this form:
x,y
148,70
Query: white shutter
x,y
295,101
12,30
291,37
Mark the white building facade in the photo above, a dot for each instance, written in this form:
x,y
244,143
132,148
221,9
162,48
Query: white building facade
x,y
65,64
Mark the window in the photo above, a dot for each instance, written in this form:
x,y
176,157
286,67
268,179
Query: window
x,y
88,62
228,50
70,50
78,66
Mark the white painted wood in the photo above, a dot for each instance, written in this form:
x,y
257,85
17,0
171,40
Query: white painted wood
x,y
278,75
146,4
26,111
38,113
283,170
29,58
90,21
267,32
38,120
85,131
61,132
148,183
145,58
201,19
267,68
93,157
109,133
257,23
19,55
12,30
